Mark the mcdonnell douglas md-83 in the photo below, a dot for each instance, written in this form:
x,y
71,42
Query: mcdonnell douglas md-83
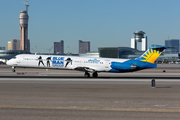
x,y
87,64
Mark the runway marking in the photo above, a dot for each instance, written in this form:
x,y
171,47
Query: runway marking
x,y
87,80
160,105
90,108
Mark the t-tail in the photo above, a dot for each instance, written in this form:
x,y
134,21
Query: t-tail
x,y
145,61
152,53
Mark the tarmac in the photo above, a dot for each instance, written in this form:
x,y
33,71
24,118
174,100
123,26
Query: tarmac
x,y
57,94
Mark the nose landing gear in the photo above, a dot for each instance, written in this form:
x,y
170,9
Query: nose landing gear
x,y
13,69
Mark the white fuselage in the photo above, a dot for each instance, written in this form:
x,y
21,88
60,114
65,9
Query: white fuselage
x,y
63,62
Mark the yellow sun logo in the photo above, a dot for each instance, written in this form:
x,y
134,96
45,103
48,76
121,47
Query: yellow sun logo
x,y
151,55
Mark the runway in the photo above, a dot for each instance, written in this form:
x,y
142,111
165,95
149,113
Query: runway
x,y
108,97
168,71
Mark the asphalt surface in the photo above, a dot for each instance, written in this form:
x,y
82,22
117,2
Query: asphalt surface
x,y
166,71
38,95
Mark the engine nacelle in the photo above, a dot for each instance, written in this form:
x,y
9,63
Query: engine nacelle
x,y
122,66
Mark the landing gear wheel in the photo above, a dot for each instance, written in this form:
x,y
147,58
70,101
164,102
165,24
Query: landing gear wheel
x,y
95,74
13,70
87,75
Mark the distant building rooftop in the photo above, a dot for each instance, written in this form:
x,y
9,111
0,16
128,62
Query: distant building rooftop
x,y
8,54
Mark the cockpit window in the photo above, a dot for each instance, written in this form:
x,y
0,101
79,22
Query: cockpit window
x,y
14,57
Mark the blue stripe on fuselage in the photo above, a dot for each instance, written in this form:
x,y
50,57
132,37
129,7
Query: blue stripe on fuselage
x,y
139,64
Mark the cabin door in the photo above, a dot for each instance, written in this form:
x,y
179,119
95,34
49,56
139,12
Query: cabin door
x,y
106,64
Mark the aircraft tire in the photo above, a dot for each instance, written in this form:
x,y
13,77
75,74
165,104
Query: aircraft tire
x,y
13,70
87,75
95,74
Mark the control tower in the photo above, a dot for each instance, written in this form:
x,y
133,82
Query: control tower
x,y
139,37
23,24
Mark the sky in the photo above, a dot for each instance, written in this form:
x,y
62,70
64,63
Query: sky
x,y
105,23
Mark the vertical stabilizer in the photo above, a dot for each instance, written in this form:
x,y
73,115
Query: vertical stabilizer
x,y
152,53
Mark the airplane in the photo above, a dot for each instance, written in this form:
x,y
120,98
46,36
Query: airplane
x,y
88,64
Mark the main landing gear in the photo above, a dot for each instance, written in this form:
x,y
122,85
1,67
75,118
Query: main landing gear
x,y
95,74
87,75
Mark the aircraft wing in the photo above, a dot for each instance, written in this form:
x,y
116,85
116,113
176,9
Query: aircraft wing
x,y
86,69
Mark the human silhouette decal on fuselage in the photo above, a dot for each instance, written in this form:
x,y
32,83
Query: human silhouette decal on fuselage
x,y
40,61
48,61
68,60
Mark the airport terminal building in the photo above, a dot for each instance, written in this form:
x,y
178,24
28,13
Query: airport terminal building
x,y
8,54
130,53
119,52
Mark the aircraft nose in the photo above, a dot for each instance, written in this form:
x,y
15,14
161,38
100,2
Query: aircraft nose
x,y
8,62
